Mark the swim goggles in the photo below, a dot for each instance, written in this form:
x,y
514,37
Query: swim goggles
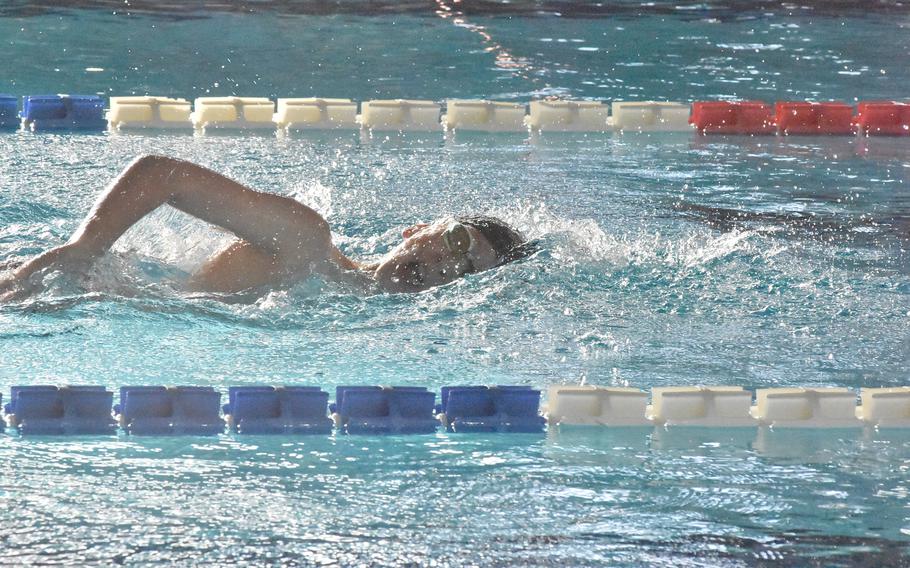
x,y
459,241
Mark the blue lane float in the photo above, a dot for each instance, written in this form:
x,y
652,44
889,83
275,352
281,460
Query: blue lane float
x,y
491,409
63,112
390,410
157,410
73,410
281,410
9,107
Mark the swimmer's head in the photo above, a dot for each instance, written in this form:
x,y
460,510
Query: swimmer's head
x,y
437,253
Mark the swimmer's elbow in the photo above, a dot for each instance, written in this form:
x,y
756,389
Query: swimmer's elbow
x,y
154,161
312,228
153,167
292,227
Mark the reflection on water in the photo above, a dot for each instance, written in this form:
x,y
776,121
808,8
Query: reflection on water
x,y
864,230
580,496
451,10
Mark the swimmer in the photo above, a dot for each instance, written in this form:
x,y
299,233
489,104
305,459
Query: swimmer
x,y
279,240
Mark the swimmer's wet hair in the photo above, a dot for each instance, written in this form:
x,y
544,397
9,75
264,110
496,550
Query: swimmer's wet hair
x,y
508,243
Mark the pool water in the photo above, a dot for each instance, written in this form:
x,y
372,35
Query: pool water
x,y
666,260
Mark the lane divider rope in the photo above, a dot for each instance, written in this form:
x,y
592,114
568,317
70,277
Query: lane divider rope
x,y
751,118
196,410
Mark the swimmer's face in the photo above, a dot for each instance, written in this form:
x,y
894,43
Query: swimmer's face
x,y
433,255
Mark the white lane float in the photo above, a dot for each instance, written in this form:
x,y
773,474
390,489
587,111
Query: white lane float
x,y
484,116
234,113
149,112
316,114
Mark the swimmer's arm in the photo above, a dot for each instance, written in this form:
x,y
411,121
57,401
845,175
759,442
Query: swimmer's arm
x,y
278,225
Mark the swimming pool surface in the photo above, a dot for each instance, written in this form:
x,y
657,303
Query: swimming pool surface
x,y
666,260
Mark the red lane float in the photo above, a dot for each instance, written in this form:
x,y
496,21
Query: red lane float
x,y
885,118
814,118
743,117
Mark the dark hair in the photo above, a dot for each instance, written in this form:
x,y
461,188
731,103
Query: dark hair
x,y
508,243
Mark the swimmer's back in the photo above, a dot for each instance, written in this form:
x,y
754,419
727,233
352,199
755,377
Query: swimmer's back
x,y
241,266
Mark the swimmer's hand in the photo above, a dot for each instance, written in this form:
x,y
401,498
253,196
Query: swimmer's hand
x,y
27,279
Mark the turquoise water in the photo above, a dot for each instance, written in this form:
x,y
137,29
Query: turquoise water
x,y
666,260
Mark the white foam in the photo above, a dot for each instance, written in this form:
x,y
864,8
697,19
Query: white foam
x,y
174,238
